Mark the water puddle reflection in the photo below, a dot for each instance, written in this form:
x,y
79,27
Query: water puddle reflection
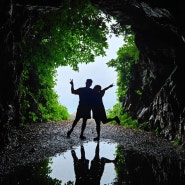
x,y
100,163
90,162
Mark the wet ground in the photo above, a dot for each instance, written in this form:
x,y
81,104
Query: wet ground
x,y
43,154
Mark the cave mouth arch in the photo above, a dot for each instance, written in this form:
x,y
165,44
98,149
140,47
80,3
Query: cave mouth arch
x,y
64,37
159,30
97,70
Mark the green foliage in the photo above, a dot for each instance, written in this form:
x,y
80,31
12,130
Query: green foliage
x,y
143,126
139,92
38,101
120,165
176,142
73,34
125,119
157,131
120,155
38,173
128,55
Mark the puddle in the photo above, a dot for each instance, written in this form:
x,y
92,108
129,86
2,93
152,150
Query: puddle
x,y
78,165
92,162
99,164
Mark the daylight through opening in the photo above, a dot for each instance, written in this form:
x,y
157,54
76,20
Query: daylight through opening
x,y
76,44
98,71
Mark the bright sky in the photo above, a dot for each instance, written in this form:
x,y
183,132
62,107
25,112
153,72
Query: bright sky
x,y
98,71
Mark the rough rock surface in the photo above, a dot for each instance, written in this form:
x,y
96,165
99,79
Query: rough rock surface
x,y
159,35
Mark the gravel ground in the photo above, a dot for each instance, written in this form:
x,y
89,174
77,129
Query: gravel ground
x,y
43,140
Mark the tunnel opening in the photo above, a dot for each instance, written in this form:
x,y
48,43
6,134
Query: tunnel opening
x,y
159,36
55,36
98,71
66,37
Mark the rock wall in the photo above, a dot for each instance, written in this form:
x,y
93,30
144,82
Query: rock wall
x,y
15,24
161,70
10,69
159,35
159,29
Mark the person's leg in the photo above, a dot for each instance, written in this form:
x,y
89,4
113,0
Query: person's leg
x,y
82,153
83,128
107,120
111,119
97,130
73,125
117,120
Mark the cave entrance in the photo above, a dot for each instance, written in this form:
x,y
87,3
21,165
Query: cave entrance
x,y
98,71
67,37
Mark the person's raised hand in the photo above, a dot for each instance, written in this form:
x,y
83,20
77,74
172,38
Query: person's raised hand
x,y
111,85
71,81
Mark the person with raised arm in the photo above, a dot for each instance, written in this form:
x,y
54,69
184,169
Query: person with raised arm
x,y
84,107
98,109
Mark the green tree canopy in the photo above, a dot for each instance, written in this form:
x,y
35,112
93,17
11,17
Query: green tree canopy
x,y
127,56
72,34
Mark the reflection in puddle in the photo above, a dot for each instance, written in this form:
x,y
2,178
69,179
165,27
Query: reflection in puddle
x,y
90,162
137,168
98,164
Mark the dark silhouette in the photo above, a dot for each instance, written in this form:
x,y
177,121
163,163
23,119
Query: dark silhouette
x,y
81,167
97,167
91,176
84,107
98,109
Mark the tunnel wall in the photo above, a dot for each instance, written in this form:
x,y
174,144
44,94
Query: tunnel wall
x,y
159,29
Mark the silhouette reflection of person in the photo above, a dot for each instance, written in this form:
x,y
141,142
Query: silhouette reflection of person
x,y
98,109
91,176
97,167
81,167
84,107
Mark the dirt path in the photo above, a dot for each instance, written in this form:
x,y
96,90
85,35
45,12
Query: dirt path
x,y
42,140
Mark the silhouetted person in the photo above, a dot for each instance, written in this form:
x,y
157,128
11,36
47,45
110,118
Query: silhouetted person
x,y
81,167
92,176
98,109
97,167
84,107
